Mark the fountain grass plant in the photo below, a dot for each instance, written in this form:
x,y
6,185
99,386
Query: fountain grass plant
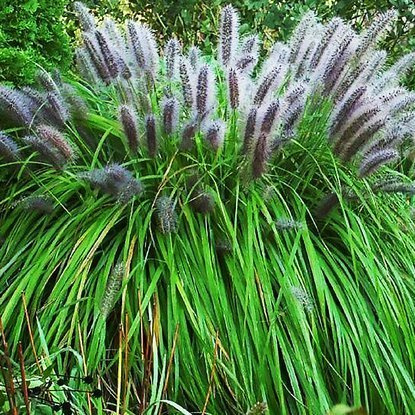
x,y
194,233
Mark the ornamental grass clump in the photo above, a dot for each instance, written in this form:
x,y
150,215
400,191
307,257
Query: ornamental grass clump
x,y
253,204
371,116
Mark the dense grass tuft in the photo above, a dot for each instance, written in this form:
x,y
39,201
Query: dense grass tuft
x,y
208,244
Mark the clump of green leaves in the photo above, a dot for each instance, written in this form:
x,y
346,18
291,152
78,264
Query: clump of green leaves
x,y
32,34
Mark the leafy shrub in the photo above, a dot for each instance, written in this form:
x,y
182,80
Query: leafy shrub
x,y
32,34
191,199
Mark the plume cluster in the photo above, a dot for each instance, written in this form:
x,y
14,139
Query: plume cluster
x,y
371,117
173,98
56,103
114,180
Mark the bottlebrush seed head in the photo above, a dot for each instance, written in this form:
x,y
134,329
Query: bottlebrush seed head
x,y
373,161
363,74
46,81
114,180
143,47
394,185
109,56
117,174
361,117
194,57
113,34
203,202
260,156
151,135
112,290
215,133
172,55
36,101
151,51
234,88
260,408
374,32
268,84
96,178
328,37
129,122
166,215
300,35
394,135
125,70
46,150
205,91
8,148
245,64
228,35
294,93
56,109
250,45
136,43
361,138
290,118
96,58
85,66
16,105
330,70
302,63
249,132
77,106
85,17
56,139
396,131
39,203
392,76
401,103
303,298
57,77
170,111
188,134
388,96
288,224
279,54
187,83
346,107
129,190
269,117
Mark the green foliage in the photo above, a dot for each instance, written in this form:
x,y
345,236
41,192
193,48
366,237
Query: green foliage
x,y
31,34
233,314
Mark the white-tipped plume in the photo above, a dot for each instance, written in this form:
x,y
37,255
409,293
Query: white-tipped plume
x,y
228,35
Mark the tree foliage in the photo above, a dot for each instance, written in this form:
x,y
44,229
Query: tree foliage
x,y
32,33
